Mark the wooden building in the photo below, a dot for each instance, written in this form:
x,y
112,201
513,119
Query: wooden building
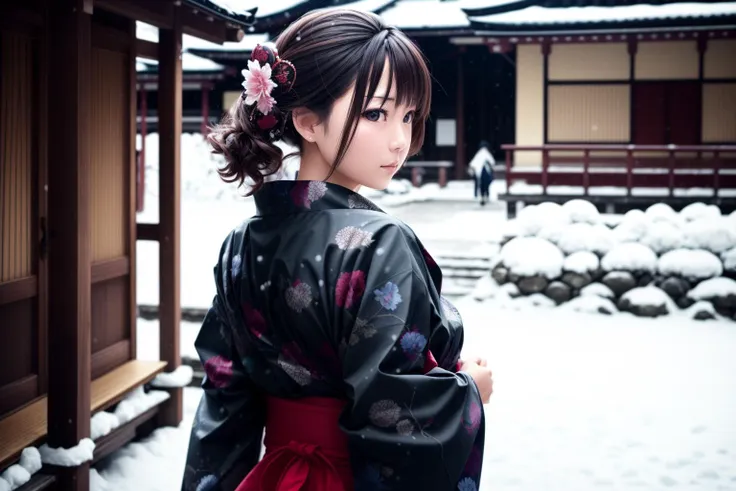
x,y
536,73
68,226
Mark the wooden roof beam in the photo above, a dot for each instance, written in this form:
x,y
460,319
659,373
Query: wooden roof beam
x,y
159,13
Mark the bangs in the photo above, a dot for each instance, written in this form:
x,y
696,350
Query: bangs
x,y
389,48
407,69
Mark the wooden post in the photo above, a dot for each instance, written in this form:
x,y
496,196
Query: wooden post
x,y
169,128
144,133
205,109
460,118
134,187
586,171
69,234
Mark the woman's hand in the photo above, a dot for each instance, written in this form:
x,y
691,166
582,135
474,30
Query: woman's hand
x,y
482,375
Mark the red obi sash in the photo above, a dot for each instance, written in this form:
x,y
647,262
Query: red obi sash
x,y
305,448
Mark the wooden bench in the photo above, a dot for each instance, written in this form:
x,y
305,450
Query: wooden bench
x,y
27,426
417,169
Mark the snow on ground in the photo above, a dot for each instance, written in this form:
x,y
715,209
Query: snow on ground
x,y
581,401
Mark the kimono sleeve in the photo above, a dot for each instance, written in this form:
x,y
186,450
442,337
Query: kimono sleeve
x,y
225,441
407,429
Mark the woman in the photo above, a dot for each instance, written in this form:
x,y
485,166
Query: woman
x,y
328,329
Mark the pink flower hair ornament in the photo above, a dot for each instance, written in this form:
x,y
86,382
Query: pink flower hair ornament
x,y
266,78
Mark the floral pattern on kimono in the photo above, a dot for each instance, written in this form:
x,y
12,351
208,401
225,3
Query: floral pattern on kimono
x,y
323,294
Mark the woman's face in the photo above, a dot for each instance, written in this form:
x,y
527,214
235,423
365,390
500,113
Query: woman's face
x,y
381,142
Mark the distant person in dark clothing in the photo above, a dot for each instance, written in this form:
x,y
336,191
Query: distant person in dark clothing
x,y
481,169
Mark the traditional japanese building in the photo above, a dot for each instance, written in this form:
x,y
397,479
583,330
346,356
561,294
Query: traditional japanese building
x,y
68,228
584,73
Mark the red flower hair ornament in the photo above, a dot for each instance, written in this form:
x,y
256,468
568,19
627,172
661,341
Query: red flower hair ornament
x,y
266,79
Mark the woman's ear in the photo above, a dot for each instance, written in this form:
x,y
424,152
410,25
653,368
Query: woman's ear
x,y
306,124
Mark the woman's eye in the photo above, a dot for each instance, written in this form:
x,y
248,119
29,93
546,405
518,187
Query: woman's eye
x,y
373,115
409,117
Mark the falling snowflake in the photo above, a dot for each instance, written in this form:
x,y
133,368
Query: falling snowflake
x,y
388,296
297,372
405,427
467,484
298,296
380,251
318,258
384,413
352,238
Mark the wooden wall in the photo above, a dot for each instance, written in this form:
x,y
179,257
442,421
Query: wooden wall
x,y
111,157
643,92
22,336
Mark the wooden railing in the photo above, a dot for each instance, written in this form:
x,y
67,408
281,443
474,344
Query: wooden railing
x,y
626,166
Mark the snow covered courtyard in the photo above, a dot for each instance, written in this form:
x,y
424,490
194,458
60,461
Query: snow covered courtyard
x,y
582,401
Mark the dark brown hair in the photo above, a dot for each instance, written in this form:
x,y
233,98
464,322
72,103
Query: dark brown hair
x,y
331,50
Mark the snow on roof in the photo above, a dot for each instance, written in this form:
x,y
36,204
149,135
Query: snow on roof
x,y
368,5
147,32
267,7
194,63
237,10
418,14
573,15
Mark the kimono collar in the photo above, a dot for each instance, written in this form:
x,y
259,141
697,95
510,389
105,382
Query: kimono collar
x,y
299,196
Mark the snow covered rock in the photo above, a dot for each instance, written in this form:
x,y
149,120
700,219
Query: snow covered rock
x,y
701,311
699,211
675,287
597,290
582,211
586,237
540,300
694,265
531,256
533,284
716,235
729,259
577,280
632,257
486,287
510,289
581,262
619,282
532,219
663,236
632,228
661,212
647,301
558,291
500,274
591,304
720,291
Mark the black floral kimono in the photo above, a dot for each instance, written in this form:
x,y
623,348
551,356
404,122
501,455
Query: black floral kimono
x,y
323,294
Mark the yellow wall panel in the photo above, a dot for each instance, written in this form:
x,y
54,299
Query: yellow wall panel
x,y
588,113
719,113
529,102
596,61
667,60
720,59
